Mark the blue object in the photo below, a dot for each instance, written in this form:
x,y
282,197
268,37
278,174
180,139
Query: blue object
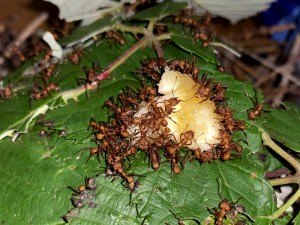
x,y
283,12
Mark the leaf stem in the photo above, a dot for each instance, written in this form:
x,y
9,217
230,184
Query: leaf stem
x,y
284,207
131,29
162,37
294,179
122,58
269,142
151,26
285,180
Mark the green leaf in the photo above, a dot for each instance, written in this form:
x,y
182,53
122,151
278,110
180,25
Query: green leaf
x,y
186,43
38,177
34,179
18,112
83,33
287,219
297,219
159,11
281,125
90,106
39,165
161,194
16,115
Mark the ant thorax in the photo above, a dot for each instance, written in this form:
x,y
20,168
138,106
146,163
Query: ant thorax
x,y
182,110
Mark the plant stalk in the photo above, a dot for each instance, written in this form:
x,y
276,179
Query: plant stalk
x,y
269,142
284,207
122,58
285,180
131,29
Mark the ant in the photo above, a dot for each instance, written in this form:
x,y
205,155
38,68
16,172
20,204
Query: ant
x,y
114,35
253,114
185,17
204,157
5,92
48,72
154,68
42,92
95,151
90,184
84,193
44,63
117,166
229,211
16,51
257,111
91,74
224,208
154,158
221,69
75,56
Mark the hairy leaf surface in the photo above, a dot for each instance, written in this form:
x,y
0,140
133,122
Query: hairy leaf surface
x,y
280,124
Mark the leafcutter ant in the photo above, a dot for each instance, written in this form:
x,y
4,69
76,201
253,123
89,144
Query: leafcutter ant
x,y
76,55
257,111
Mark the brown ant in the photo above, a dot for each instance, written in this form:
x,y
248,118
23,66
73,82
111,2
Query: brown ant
x,y
185,17
91,74
257,111
115,36
229,211
219,93
224,208
154,158
75,56
42,92
16,50
221,69
253,114
206,157
5,92
185,67
47,72
154,68
84,193
44,63
160,29
94,151
117,166
206,86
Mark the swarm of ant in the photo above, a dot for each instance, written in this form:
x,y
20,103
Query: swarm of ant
x,y
200,27
47,68
142,121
